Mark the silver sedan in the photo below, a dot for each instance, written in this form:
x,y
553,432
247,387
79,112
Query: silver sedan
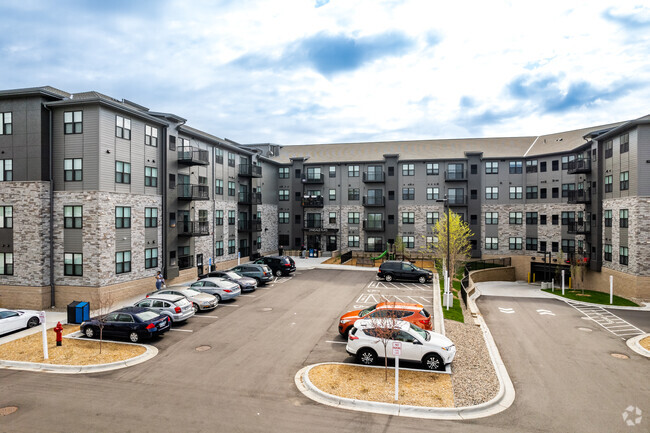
x,y
200,301
219,287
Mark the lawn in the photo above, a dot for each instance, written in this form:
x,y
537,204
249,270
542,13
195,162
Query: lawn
x,y
593,297
455,312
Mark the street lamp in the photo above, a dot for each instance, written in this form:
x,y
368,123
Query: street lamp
x,y
446,202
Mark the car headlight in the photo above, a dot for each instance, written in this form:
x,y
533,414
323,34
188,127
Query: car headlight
x,y
343,322
448,348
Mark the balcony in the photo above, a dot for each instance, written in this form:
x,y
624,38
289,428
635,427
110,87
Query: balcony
x,y
193,192
249,198
579,166
313,202
313,224
249,170
456,176
193,228
374,248
189,155
374,226
185,262
579,196
373,201
457,200
579,227
370,177
249,225
313,178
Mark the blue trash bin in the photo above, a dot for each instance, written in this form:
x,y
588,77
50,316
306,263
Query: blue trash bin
x,y
78,312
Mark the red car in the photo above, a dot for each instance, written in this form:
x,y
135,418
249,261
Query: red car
x,y
413,313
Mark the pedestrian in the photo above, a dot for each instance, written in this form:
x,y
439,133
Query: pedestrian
x,y
303,251
280,251
160,281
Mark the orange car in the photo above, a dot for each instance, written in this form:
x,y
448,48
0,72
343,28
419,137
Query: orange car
x,y
414,313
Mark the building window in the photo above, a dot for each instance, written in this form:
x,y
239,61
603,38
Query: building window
x,y
232,246
150,135
6,263
568,245
218,186
122,217
555,220
122,172
150,217
72,216
555,165
542,220
150,176
296,219
623,218
231,159
122,127
218,248
408,169
332,171
608,252
353,217
555,247
5,123
515,243
432,242
608,218
231,217
609,149
72,169
555,192
625,143
332,194
218,217
433,193
332,218
353,241
491,218
491,192
609,183
566,187
516,217
542,166
353,171
433,168
283,217
531,166
625,180
408,242
150,258
408,217
531,218
72,121
231,189
516,167
568,217
566,160
531,244
491,243
432,218
353,193
542,193
6,217
516,192
492,167
283,195
172,181
531,192
408,193
73,264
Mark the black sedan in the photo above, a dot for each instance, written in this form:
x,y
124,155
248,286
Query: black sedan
x,y
134,323
246,284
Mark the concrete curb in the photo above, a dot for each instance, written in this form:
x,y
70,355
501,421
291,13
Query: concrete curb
x,y
634,343
150,352
645,307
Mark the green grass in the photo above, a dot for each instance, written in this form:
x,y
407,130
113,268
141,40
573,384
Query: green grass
x,y
593,297
455,312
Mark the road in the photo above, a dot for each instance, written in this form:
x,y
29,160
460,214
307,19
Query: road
x,y
565,378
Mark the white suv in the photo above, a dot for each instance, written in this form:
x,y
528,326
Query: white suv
x,y
431,349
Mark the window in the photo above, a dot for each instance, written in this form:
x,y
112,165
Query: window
x,y
566,160
150,258
231,159
150,176
608,252
531,166
283,195
172,181
609,183
542,166
555,165
542,246
353,241
151,217
473,194
122,127
218,186
218,156
5,123
491,243
515,167
353,171
432,218
314,173
231,189
72,216
542,220
555,220
73,264
625,143
408,217
531,218
6,217
353,193
353,217
531,244
408,242
231,217
408,169
72,121
609,149
515,243
608,218
433,168
122,262
232,246
568,245
433,193
542,193
218,217
332,171
408,193
531,192
332,194
492,167
566,187
516,217
625,180
72,169
432,242
297,219
474,169
491,218
491,192
516,192
555,247
332,218
568,217
283,217
218,248
623,218
122,172
122,217
473,219
391,195
555,192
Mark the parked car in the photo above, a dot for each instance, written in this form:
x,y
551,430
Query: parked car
x,y
176,307
280,265
261,273
395,270
200,301
134,323
246,284
413,313
222,289
12,320
433,350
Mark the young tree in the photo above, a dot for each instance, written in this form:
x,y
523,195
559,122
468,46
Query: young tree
x,y
459,246
383,324
103,302
578,271
399,246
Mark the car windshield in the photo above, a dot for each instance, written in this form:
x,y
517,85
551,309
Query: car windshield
x,y
367,310
233,275
424,334
146,315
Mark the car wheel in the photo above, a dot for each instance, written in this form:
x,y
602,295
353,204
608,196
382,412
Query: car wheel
x,y
32,322
422,279
366,356
134,337
388,278
195,307
278,273
259,282
433,362
89,332
218,298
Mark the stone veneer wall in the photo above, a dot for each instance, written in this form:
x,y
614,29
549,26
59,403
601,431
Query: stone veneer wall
x,y
203,244
638,235
420,229
229,231
270,222
351,229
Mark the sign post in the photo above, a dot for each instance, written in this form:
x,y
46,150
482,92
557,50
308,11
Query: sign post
x,y
41,316
238,258
397,351
611,289
562,282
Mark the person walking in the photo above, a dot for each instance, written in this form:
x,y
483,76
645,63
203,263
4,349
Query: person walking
x,y
160,281
280,251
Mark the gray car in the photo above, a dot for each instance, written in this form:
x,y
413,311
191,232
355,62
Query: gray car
x,y
219,287
262,273
200,301
177,307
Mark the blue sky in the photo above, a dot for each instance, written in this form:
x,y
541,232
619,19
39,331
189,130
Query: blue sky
x,y
317,71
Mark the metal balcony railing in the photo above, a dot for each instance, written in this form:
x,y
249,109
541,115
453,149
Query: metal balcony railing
x,y
313,224
579,196
313,178
579,166
374,226
249,225
455,176
190,191
249,170
193,228
373,200
375,176
313,202
189,155
249,198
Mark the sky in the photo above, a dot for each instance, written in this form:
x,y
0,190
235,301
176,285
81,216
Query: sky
x,y
324,71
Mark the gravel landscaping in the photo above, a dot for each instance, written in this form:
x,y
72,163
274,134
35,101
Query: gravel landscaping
x,y
473,377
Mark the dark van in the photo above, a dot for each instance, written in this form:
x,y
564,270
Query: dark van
x,y
396,270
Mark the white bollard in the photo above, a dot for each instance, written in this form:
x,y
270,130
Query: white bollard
x,y
563,282
553,285
42,317
396,378
611,289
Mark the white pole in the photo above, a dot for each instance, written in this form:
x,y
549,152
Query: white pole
x,y
552,284
45,354
611,289
448,295
562,282
396,378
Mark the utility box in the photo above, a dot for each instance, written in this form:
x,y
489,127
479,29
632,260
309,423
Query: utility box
x,y
78,312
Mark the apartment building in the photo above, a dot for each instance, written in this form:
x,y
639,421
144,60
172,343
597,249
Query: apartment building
x,y
98,194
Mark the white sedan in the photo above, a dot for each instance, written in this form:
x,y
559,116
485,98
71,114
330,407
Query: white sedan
x,y
11,320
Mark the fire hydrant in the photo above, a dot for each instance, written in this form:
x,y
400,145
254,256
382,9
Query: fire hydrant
x,y
59,333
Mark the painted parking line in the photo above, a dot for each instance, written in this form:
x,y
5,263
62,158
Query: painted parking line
x,y
607,320
181,330
229,305
507,310
336,342
207,317
247,296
